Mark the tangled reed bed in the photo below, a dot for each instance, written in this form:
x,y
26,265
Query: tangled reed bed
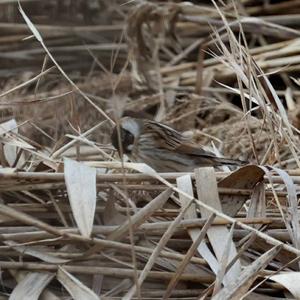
x,y
77,223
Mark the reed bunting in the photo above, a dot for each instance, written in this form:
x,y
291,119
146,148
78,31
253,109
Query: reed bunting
x,y
162,147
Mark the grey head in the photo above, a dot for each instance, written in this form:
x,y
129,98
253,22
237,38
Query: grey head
x,y
130,129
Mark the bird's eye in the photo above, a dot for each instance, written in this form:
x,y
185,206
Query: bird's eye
x,y
127,141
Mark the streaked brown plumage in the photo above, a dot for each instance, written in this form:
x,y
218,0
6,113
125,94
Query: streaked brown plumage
x,y
162,147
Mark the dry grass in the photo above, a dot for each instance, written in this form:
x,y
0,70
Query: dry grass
x,y
76,222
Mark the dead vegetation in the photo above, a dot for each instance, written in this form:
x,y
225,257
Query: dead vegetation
x,y
78,223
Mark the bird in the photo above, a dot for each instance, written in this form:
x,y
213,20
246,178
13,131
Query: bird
x,y
162,147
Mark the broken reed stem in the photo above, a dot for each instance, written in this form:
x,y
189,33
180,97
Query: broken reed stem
x,y
114,272
48,210
134,187
7,211
41,177
20,235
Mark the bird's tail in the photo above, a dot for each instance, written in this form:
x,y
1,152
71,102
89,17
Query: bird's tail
x,y
229,161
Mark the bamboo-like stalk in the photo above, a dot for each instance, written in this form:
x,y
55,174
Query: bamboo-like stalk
x,y
39,176
113,272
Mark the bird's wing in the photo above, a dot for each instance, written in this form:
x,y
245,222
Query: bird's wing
x,y
193,149
165,136
175,141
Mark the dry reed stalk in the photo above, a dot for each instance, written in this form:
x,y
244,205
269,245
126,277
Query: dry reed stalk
x,y
146,227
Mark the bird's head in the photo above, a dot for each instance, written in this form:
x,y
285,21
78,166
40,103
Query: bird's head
x,y
130,129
